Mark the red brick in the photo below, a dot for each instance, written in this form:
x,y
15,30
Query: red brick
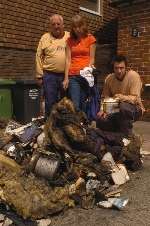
x,y
23,22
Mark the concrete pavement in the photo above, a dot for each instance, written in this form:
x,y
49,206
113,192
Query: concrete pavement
x,y
143,128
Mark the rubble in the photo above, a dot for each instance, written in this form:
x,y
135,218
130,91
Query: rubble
x,y
118,203
45,166
2,217
43,222
119,174
48,167
30,197
7,222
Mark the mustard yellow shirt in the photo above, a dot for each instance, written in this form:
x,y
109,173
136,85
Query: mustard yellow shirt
x,y
130,86
50,54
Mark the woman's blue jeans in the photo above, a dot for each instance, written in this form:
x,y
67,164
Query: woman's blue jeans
x,y
77,93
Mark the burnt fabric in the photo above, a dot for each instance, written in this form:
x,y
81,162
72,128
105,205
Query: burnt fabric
x,y
131,153
112,141
111,138
121,121
66,132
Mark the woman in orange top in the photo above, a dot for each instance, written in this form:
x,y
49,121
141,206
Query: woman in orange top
x,y
80,53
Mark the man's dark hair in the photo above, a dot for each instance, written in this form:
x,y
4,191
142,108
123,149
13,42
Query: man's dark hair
x,y
119,59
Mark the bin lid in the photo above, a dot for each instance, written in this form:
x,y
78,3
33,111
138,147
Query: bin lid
x,y
26,82
7,82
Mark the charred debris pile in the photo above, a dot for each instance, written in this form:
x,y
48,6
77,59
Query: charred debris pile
x,y
48,167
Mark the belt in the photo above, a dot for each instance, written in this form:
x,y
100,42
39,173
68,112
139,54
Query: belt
x,y
54,73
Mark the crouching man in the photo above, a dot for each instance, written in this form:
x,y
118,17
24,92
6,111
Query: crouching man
x,y
124,86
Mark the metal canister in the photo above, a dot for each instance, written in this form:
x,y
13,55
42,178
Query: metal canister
x,y
110,105
44,165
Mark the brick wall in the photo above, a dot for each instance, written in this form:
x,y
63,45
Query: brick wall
x,y
137,49
17,63
104,54
107,40
22,22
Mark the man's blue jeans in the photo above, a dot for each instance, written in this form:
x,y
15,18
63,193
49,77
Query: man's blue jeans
x,y
53,90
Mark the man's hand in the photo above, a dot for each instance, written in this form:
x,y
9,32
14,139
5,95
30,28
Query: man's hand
x,y
65,83
133,99
101,114
39,81
120,97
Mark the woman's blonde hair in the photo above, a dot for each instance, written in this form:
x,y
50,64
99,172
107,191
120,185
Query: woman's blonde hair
x,y
78,21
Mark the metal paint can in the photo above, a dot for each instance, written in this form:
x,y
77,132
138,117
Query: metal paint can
x,y
44,165
110,105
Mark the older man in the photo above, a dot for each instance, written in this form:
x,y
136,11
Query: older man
x,y
125,86
50,61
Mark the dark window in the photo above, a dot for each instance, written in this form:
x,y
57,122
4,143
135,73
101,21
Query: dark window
x,y
90,5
